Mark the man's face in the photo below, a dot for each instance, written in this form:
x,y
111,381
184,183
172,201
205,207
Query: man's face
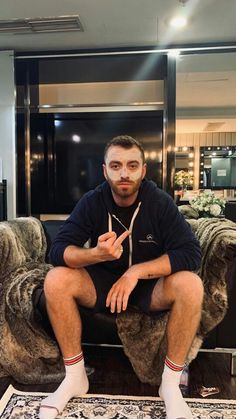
x,y
124,170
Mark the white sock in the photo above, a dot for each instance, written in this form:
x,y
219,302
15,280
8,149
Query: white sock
x,y
170,393
74,384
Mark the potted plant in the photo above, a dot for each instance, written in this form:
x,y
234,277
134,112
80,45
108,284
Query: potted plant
x,y
208,205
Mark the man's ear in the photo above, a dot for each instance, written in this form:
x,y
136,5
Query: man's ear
x,y
104,171
144,170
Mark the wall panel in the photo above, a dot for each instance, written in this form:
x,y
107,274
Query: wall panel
x,y
7,128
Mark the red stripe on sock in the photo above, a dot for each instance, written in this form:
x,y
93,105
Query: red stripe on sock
x,y
74,360
173,366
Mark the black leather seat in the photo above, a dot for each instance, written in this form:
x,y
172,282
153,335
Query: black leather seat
x,y
230,210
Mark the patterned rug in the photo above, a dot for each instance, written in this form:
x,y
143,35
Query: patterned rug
x,y
16,404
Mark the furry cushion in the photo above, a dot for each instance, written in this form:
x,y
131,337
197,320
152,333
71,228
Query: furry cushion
x,y
26,352
144,337
188,212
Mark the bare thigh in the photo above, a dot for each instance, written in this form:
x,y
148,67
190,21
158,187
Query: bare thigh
x,y
182,286
159,299
67,282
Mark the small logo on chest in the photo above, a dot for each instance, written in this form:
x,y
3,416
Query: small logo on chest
x,y
149,239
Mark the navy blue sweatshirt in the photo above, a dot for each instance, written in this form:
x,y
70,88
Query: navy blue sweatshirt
x,y
157,228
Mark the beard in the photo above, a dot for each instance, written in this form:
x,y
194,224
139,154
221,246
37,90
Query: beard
x,y
125,188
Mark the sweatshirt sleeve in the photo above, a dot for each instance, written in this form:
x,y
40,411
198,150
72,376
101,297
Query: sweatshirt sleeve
x,y
76,230
180,243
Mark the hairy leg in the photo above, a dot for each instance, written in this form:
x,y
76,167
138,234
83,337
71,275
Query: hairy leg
x,y
64,287
182,293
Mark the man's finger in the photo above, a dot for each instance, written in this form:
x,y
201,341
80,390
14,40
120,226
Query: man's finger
x,y
106,236
113,303
121,238
119,303
125,301
111,299
108,300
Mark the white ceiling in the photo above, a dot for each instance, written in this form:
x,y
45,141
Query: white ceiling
x,y
115,23
206,85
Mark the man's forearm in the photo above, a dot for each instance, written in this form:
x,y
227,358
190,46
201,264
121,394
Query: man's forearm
x,y
109,247
78,257
153,268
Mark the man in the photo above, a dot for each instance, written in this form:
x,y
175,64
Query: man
x,y
142,253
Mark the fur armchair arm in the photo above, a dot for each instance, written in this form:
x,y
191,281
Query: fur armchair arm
x,y
142,334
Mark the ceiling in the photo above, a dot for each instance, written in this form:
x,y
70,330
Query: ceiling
x,y
126,23
206,84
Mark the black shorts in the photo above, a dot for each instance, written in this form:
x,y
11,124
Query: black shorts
x,y
140,297
103,280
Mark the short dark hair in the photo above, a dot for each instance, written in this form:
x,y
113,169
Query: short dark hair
x,y
127,142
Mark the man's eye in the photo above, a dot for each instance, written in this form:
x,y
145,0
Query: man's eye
x,y
114,166
133,166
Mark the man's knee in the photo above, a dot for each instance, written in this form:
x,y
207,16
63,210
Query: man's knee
x,y
58,281
188,286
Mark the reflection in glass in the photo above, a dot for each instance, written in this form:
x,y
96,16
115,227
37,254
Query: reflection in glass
x,y
218,167
205,114
184,173
184,161
69,160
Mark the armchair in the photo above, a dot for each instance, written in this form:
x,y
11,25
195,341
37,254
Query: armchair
x,y
26,344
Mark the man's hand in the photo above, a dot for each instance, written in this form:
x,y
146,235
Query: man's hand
x,y
109,247
118,296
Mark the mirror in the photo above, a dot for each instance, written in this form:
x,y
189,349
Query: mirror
x,y
205,115
184,158
218,167
184,162
184,165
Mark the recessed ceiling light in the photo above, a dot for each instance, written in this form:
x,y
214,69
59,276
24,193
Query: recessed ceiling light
x,y
38,25
178,22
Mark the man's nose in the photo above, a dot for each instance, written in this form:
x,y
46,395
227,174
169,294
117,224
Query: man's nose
x,y
124,172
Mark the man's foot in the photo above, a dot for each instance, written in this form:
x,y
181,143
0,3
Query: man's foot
x,y
176,406
71,386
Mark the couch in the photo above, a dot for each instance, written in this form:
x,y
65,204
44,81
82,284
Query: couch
x,y
26,344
